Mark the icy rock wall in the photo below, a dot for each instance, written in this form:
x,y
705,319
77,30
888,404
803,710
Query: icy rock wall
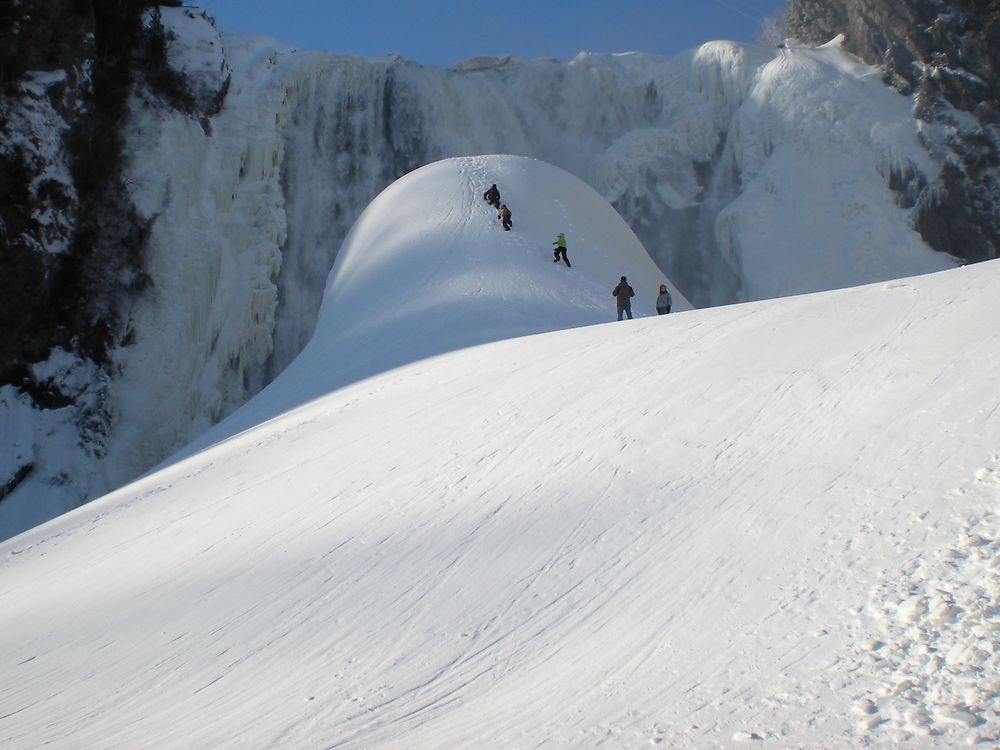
x,y
947,55
206,326
34,128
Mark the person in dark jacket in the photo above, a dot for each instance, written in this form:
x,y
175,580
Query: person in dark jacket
x,y
504,216
560,250
663,301
492,196
623,293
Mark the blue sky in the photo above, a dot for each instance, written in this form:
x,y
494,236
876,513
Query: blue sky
x,y
444,32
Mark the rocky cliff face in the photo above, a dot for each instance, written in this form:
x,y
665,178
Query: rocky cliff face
x,y
69,244
947,54
72,246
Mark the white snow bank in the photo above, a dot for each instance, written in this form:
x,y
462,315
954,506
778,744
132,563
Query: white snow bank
x,y
773,520
815,145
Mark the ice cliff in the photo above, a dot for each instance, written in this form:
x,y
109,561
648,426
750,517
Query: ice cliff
x,y
746,173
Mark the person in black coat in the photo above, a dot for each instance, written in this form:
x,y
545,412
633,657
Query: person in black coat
x,y
492,196
623,294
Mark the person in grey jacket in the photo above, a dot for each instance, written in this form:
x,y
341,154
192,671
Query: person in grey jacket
x,y
663,301
623,293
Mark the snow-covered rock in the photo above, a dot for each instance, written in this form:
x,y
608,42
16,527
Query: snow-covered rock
x,y
195,52
946,54
33,133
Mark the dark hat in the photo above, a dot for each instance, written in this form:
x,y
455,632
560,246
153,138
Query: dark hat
x,y
624,279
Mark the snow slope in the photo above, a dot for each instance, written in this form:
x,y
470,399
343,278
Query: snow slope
x,y
774,520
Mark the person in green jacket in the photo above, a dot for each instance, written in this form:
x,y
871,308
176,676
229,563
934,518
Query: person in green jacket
x,y
560,250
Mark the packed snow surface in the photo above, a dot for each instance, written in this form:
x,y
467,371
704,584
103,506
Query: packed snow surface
x,y
777,520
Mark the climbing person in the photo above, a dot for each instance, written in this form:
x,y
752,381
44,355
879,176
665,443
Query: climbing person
x,y
663,301
623,293
492,196
504,216
560,250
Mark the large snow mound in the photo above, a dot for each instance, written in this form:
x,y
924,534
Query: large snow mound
x,y
428,269
776,520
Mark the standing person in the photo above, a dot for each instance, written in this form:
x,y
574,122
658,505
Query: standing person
x,y
623,293
663,301
560,249
492,196
504,216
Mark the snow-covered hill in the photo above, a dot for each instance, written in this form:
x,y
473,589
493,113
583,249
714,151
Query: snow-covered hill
x,y
774,520
428,269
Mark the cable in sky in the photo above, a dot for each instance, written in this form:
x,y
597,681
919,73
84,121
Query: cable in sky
x,y
742,12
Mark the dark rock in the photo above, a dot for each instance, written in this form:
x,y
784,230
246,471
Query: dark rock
x,y
67,68
947,54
